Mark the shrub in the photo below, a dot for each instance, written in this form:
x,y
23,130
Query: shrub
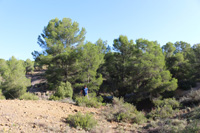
x,y
1,95
91,101
120,111
64,90
164,108
28,96
140,118
192,97
193,127
168,125
86,121
55,98
193,115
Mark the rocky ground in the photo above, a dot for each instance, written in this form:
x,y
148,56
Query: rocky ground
x,y
37,116
20,116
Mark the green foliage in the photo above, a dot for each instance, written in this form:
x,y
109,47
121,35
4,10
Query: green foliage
x,y
91,58
168,49
64,90
67,59
86,121
14,82
150,65
28,96
60,40
29,65
195,59
90,101
120,111
168,125
117,66
178,58
164,108
174,126
137,68
55,98
1,95
193,127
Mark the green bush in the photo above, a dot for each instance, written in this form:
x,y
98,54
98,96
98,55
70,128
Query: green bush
x,y
139,118
55,98
1,95
64,90
164,108
120,111
90,101
86,121
28,96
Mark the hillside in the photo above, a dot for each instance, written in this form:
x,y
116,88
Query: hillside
x,y
37,116
21,116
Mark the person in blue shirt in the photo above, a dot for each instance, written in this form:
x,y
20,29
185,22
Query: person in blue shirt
x,y
85,91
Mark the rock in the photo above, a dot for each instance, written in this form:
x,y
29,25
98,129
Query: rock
x,y
34,125
189,109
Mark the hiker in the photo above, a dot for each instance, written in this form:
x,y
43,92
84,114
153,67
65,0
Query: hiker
x,y
84,91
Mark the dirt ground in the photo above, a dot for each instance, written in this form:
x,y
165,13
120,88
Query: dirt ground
x,y
20,116
37,116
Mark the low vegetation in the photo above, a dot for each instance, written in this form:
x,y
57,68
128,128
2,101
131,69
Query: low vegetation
x,y
80,120
191,98
64,90
1,95
90,101
123,112
165,108
28,96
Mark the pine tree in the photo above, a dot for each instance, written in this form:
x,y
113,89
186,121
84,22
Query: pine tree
x,y
14,83
137,68
179,62
60,41
92,56
150,77
29,65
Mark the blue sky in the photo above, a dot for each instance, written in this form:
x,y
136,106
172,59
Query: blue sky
x,y
162,20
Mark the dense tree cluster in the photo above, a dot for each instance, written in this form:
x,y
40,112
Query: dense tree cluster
x,y
138,68
142,68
